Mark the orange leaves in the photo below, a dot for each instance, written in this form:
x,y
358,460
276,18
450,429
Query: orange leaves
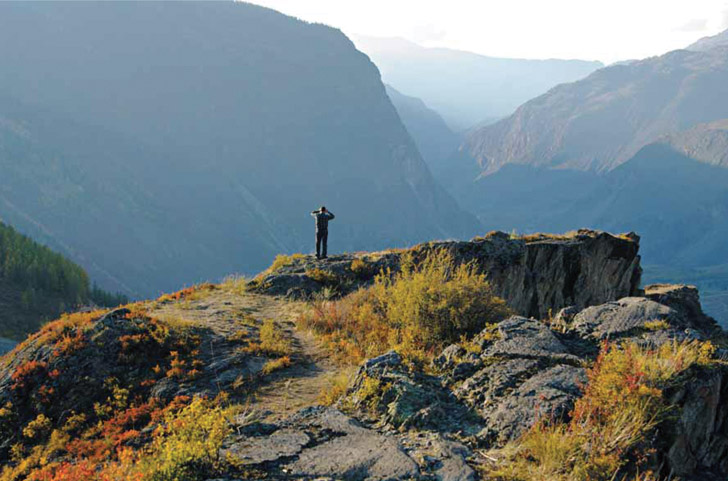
x,y
187,292
28,374
70,343
83,471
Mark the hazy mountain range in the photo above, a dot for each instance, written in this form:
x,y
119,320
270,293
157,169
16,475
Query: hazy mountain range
x,y
603,120
160,144
707,43
639,146
434,138
467,89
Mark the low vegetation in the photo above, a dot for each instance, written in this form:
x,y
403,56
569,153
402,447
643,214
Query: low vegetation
x,y
68,420
418,310
283,260
336,386
610,425
188,294
272,341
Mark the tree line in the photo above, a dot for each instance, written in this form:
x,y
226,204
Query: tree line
x,y
39,272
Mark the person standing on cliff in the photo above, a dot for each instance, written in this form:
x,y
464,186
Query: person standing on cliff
x,y
322,216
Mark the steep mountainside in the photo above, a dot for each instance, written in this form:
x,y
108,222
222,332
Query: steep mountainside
x,y
181,141
602,121
228,382
37,284
434,139
466,88
705,142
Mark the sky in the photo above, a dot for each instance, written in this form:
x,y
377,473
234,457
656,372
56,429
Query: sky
x,y
585,29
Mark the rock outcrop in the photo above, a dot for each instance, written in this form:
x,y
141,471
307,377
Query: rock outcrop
x,y
324,443
397,418
398,422
537,275
524,370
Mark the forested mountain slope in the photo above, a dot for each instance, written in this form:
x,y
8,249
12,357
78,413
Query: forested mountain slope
x,y
37,284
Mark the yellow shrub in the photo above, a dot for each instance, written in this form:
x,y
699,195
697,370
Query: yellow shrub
x,y
417,310
371,391
38,427
276,364
656,325
186,445
237,284
321,276
335,388
361,268
273,341
283,260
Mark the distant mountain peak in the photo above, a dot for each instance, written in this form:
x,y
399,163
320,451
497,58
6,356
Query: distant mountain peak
x,y
712,41
601,121
467,88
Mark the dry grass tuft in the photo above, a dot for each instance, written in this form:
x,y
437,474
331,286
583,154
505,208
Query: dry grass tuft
x,y
610,424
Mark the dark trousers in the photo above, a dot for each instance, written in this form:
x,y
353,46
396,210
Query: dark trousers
x,y
322,238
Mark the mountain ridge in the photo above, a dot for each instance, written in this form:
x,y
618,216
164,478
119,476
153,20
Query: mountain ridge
x,y
198,160
464,87
603,120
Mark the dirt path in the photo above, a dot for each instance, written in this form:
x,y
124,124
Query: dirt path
x,y
285,391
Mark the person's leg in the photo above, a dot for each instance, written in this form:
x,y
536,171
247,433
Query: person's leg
x,y
325,241
318,245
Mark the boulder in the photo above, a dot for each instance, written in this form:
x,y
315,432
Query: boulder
x,y
526,338
622,318
685,300
550,394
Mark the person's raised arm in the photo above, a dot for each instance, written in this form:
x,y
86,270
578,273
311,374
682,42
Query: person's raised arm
x,y
331,215
313,213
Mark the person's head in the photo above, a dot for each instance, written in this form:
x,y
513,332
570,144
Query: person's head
x,y
322,209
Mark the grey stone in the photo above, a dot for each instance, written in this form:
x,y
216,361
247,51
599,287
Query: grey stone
x,y
495,380
621,318
521,337
698,438
685,300
407,399
256,450
549,394
449,357
355,453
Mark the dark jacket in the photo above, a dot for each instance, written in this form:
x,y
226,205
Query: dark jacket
x,y
322,220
